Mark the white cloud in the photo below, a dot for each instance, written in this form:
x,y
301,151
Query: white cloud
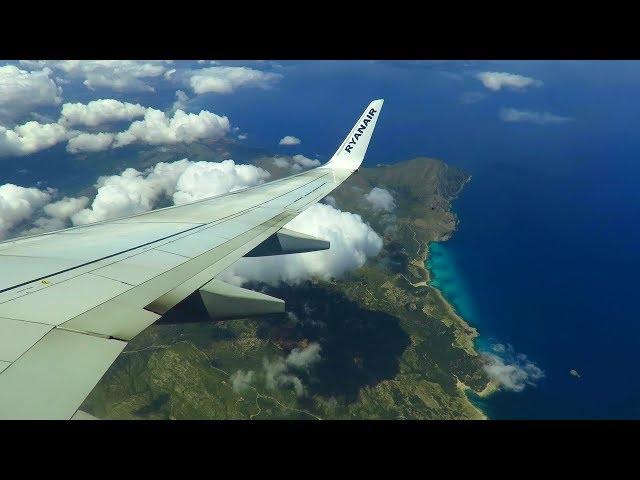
x,y
131,192
352,242
305,357
21,91
120,195
181,101
98,112
134,192
57,215
512,371
278,371
300,162
18,204
66,207
117,75
157,129
380,199
281,162
297,163
289,140
205,179
227,79
243,136
497,80
529,116
241,381
30,137
90,142
276,376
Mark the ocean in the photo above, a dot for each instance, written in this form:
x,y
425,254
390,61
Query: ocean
x,y
549,266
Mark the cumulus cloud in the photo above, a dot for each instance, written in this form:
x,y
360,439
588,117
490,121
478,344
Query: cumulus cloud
x,y
529,116
352,242
117,75
98,112
57,215
21,91
512,371
66,207
130,192
183,181
380,199
497,80
18,204
289,140
205,179
221,79
181,101
276,376
30,137
300,162
280,372
90,142
305,357
157,128
297,163
281,162
241,381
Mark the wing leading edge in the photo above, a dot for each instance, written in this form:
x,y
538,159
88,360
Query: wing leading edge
x,y
88,290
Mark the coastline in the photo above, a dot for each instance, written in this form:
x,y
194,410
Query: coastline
x,y
468,341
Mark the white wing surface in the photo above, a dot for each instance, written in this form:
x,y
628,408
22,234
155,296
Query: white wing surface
x,y
71,300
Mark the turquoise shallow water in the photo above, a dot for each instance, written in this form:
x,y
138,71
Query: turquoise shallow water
x,y
447,276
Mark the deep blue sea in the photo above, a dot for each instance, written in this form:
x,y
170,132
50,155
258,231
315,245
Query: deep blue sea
x,y
547,255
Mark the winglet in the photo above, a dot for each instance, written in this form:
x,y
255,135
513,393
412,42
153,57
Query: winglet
x,y
351,152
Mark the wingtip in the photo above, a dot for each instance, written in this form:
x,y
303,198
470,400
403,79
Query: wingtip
x,y
351,152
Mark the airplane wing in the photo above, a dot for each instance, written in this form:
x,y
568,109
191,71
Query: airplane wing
x,y
71,300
